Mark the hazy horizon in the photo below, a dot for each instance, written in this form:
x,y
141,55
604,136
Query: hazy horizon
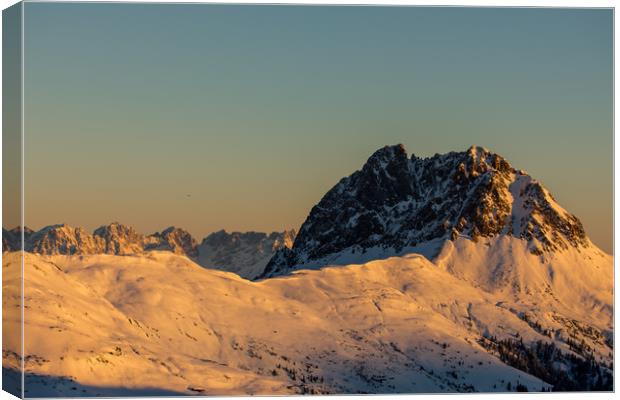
x,y
242,117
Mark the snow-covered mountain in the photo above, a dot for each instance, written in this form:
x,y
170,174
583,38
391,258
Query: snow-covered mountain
x,y
157,323
397,204
245,253
453,273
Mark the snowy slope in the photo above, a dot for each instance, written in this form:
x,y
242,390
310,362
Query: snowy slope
x,y
159,323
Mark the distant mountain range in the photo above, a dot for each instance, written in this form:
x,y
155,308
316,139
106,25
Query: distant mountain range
x,y
244,253
453,273
394,205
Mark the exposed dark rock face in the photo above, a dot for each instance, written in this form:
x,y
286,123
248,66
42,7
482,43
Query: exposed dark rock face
x,y
395,202
8,241
11,238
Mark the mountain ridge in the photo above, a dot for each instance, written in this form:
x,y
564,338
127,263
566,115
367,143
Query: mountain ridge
x,y
396,202
254,248
452,273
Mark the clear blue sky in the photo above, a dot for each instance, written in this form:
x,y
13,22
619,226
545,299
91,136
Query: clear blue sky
x,y
256,111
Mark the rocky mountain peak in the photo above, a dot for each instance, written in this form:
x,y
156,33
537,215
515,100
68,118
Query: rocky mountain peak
x,y
394,202
383,180
62,239
386,155
119,239
117,230
176,240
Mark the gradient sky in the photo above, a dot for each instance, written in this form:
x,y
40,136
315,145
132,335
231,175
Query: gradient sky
x,y
256,111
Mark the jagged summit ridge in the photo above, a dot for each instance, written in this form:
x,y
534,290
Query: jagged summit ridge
x,y
114,238
117,238
395,201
